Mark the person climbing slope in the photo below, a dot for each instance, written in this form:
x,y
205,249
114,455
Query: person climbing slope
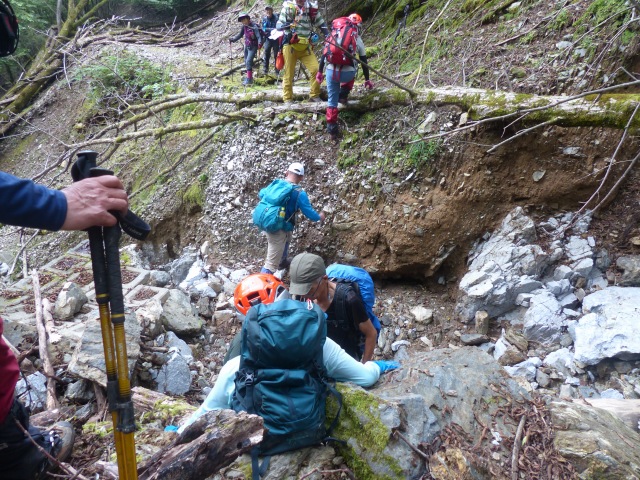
x,y
253,40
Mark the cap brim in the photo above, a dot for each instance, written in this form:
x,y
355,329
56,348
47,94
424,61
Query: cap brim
x,y
300,288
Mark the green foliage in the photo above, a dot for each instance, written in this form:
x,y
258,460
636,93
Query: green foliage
x,y
562,20
126,75
421,154
194,196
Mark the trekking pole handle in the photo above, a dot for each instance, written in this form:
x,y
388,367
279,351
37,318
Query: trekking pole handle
x,y
85,167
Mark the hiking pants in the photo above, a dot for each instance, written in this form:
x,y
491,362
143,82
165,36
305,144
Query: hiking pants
x,y
269,46
309,60
249,54
19,458
338,79
277,243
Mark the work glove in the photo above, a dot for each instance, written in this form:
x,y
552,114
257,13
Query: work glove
x,y
386,365
319,77
368,84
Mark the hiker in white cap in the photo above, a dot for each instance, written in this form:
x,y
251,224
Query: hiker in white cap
x,y
279,240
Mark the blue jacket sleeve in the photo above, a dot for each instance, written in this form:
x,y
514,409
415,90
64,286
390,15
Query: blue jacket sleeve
x,y
344,368
305,207
26,204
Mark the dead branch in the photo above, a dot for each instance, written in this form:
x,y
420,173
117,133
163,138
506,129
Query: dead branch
x,y
616,186
424,42
611,163
517,443
52,400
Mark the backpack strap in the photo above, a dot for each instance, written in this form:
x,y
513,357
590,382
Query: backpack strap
x,y
259,470
342,312
293,199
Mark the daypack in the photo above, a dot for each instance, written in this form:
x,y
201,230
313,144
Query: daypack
x,y
361,282
341,40
282,376
271,213
9,32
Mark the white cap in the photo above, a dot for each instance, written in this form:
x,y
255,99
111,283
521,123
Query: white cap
x,y
297,168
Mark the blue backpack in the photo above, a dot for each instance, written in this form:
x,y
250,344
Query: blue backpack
x,y
361,282
271,213
282,376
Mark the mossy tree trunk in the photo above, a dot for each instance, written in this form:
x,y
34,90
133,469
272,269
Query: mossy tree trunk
x,y
47,64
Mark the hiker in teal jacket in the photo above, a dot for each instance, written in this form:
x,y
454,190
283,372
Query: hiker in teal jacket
x,y
278,242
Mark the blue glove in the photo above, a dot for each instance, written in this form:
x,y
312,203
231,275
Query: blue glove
x,y
386,365
170,428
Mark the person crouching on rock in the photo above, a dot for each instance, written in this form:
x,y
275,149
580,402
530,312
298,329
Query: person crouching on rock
x,y
253,40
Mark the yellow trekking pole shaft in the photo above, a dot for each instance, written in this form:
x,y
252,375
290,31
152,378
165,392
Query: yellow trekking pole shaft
x,y
96,245
126,420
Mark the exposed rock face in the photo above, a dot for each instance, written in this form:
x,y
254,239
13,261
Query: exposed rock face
x,y
597,442
631,266
610,326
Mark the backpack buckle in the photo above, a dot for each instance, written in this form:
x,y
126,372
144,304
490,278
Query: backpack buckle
x,y
249,378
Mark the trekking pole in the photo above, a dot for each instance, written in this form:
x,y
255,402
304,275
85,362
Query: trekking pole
x,y
352,57
105,261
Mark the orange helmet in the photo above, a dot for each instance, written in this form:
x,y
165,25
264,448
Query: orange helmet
x,y
355,18
255,289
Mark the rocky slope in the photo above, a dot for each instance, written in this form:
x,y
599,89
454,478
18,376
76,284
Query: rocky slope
x,y
433,220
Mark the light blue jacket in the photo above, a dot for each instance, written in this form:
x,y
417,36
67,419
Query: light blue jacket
x,y
339,364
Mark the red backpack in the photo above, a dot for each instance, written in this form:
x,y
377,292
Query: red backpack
x,y
343,38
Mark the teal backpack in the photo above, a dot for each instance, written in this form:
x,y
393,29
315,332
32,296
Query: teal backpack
x,y
282,377
271,213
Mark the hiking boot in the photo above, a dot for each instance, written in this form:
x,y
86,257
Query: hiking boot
x,y
343,100
333,129
247,81
63,437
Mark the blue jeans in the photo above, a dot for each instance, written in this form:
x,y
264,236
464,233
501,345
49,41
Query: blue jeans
x,y
334,79
249,53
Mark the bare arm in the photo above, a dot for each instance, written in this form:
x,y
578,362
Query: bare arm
x,y
370,338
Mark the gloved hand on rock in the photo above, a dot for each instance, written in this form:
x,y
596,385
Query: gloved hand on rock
x,y
386,365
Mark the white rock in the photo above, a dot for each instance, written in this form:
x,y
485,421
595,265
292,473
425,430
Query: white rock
x,y
422,314
544,320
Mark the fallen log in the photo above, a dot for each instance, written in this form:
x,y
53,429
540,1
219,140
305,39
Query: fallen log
x,y
212,442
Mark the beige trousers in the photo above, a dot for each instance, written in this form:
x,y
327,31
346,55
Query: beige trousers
x,y
276,242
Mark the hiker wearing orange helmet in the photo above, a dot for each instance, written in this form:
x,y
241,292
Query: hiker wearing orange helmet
x,y
339,53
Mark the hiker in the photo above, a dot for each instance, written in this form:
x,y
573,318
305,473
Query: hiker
x,y
278,241
348,323
339,366
298,18
253,40
79,206
269,22
341,73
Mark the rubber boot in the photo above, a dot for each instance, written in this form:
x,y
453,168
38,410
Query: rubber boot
x,y
249,79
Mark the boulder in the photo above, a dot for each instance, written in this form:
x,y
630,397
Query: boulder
x,y
179,315
610,327
174,376
630,265
179,268
149,317
70,301
544,320
595,441
422,315
88,358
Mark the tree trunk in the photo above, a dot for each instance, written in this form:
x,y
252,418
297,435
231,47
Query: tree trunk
x,y
210,443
